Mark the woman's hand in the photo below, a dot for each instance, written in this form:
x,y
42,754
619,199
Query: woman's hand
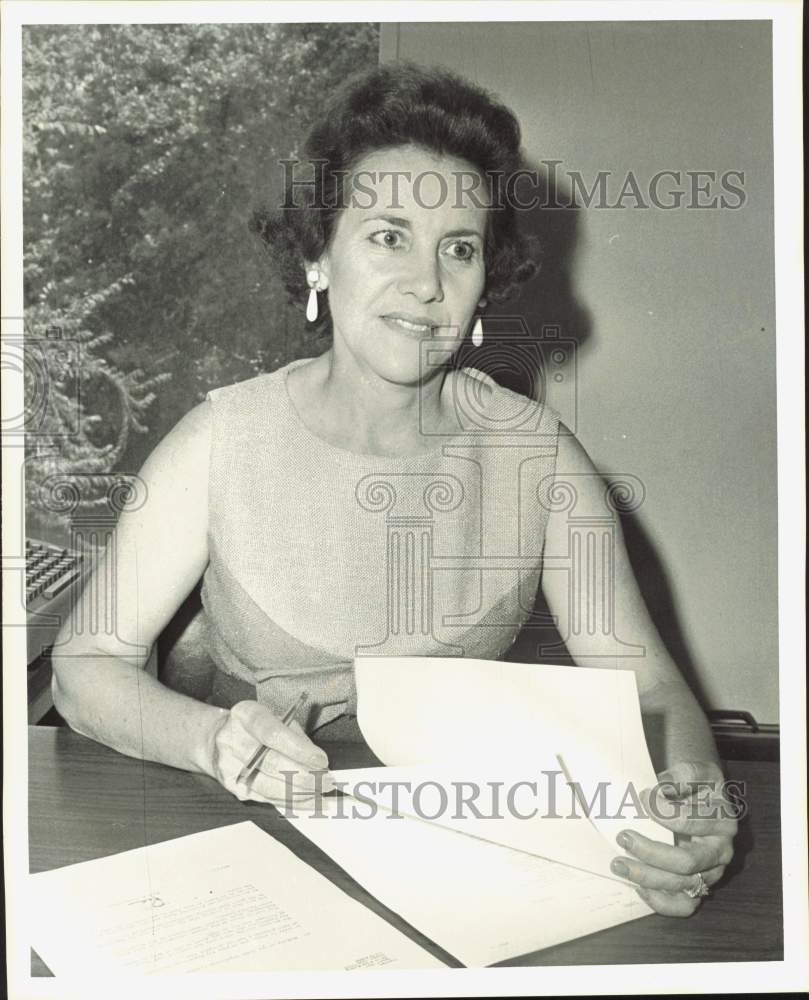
x,y
246,727
688,800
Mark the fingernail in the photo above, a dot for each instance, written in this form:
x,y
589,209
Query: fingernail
x,y
620,868
624,840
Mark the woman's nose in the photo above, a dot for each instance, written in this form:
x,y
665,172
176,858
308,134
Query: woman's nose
x,y
421,276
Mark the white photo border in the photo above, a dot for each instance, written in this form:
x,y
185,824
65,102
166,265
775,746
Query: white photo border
x,y
790,975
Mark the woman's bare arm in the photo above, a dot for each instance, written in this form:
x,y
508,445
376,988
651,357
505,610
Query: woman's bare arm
x,y
662,690
99,685
665,874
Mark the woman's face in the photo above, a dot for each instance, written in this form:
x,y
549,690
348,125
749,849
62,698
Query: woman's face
x,y
405,263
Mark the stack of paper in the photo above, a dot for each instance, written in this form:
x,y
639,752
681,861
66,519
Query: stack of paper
x,y
474,834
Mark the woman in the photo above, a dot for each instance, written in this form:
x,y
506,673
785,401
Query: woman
x,y
286,492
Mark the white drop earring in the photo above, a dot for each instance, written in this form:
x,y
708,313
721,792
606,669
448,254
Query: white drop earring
x,y
477,332
311,303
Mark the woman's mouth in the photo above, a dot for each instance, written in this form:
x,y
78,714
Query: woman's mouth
x,y
419,327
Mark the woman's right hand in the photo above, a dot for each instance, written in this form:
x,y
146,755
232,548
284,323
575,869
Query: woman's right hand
x,y
246,727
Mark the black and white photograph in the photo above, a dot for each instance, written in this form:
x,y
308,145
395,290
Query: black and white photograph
x,y
403,499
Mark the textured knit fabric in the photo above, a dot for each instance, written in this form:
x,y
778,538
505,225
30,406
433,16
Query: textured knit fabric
x,y
319,554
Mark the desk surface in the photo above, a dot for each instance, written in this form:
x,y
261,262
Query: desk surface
x,y
87,801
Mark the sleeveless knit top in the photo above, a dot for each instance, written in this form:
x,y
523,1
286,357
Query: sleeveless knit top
x,y
318,554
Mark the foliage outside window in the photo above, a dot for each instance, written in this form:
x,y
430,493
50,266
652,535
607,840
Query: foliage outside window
x,y
146,148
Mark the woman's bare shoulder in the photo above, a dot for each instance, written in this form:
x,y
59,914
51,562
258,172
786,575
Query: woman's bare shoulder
x,y
572,456
185,451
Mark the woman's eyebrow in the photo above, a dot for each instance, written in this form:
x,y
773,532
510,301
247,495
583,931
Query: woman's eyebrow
x,y
464,232
392,220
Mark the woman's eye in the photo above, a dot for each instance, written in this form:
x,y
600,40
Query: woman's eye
x,y
461,250
387,238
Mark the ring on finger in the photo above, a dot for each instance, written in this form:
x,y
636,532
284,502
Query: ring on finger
x,y
699,890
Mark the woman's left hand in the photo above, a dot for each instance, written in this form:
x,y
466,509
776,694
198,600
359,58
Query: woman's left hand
x,y
689,800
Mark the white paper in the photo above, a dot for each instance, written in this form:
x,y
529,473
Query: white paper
x,y
505,878
514,718
231,899
480,902
504,810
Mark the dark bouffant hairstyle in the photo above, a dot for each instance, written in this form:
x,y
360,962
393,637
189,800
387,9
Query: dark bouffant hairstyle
x,y
398,105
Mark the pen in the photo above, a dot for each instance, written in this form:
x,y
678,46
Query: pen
x,y
252,766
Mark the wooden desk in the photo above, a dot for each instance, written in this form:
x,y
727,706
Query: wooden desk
x,y
86,801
